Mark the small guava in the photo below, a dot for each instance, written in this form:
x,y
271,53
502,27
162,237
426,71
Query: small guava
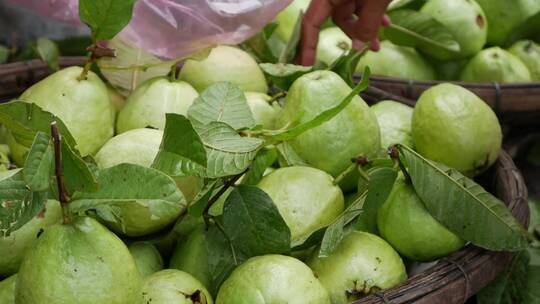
x,y
263,113
333,43
191,256
329,147
287,18
78,263
174,286
7,290
405,223
306,198
148,104
495,65
225,63
453,126
14,247
465,20
146,257
272,279
84,106
395,120
362,264
529,53
397,61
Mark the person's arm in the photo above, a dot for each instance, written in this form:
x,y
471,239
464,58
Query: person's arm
x,y
359,19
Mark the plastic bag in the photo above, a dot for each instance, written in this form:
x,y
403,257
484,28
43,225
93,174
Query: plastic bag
x,y
174,28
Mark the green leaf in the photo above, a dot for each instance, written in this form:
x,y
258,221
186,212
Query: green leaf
x,y
284,135
106,18
4,54
289,51
38,164
260,45
533,281
78,177
288,157
183,155
528,29
416,29
48,52
463,206
200,201
227,152
264,159
253,223
222,102
345,65
283,75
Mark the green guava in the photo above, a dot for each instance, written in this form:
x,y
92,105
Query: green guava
x,y
395,120
225,63
306,198
495,65
7,290
18,151
174,286
405,223
263,113
465,20
81,262
362,264
452,126
270,279
191,256
84,106
449,70
529,53
146,257
148,104
505,16
330,146
397,61
14,247
333,43
288,17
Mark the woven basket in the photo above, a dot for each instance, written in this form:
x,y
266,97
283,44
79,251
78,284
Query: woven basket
x,y
452,280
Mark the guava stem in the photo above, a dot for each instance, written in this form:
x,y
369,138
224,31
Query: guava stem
x,y
223,189
343,174
86,69
277,97
62,193
394,154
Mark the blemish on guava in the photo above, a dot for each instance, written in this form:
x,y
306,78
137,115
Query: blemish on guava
x,y
480,21
40,232
42,213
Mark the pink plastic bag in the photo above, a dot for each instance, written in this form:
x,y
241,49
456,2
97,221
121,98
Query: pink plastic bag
x,y
174,28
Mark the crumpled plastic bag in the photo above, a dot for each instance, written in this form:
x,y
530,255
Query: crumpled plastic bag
x,y
173,29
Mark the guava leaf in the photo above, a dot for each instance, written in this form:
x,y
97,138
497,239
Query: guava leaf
x,y
288,157
200,201
264,159
222,102
381,182
528,29
4,54
324,116
78,177
283,75
253,223
288,53
260,45
416,29
48,52
182,152
106,18
345,65
38,164
463,206
228,153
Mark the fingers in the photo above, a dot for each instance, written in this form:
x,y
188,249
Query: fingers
x,y
317,13
370,18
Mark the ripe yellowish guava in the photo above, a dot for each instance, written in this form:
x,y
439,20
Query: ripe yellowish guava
x,y
495,65
395,120
362,264
146,257
453,126
148,104
78,263
263,113
529,53
225,63
333,43
7,290
405,223
191,256
272,279
174,286
306,198
397,61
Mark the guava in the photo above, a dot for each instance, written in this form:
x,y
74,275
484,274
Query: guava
x,y
529,53
272,279
333,43
449,70
306,198
495,65
362,264
174,286
84,106
148,104
117,99
18,151
146,257
81,262
14,247
465,20
405,223
225,63
7,290
287,18
395,120
329,147
263,113
191,256
453,126
505,16
397,61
